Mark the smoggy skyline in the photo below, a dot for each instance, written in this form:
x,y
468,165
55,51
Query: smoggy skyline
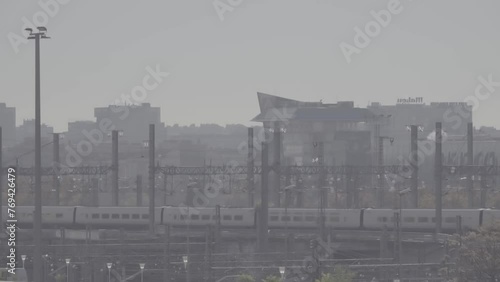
x,y
206,60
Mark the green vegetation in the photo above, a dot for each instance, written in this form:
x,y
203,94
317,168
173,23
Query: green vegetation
x,y
245,278
340,274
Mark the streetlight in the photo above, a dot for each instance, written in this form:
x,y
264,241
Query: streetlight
x,y
185,259
67,269
141,265
282,272
37,222
23,257
109,264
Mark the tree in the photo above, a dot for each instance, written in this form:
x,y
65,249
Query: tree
x,y
476,255
272,278
245,278
340,274
60,277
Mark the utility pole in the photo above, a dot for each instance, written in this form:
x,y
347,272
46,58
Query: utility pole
x,y
250,168
139,190
438,178
37,222
414,164
114,148
381,176
277,165
56,168
151,145
264,209
470,163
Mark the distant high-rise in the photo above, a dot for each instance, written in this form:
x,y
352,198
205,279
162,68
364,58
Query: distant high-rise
x,y
26,131
132,120
8,124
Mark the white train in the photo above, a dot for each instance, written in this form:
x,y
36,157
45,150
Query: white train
x,y
138,217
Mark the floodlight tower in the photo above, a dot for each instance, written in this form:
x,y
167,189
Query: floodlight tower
x,y
37,222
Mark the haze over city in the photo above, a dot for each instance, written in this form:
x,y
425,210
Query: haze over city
x,y
249,140
99,50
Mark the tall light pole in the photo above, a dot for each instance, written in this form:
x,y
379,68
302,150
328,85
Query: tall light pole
x,y
67,269
282,272
185,259
37,223
141,265
108,265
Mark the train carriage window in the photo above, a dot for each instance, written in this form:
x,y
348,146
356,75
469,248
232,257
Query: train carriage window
x,y
310,218
285,218
105,215
334,219
273,218
95,215
238,217
59,215
205,217
135,216
382,218
195,216
145,216
423,219
297,218
409,219
125,216
115,216
450,220
226,217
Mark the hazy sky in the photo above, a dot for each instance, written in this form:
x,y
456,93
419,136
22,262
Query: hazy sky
x,y
100,49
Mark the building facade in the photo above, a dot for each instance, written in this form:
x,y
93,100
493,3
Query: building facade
x,y
132,120
8,124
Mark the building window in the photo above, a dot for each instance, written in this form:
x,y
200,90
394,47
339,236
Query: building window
x,y
115,216
135,216
125,216
95,215
105,215
238,217
145,216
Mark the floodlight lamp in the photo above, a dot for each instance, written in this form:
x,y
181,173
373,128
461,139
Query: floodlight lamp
x,y
68,261
141,265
